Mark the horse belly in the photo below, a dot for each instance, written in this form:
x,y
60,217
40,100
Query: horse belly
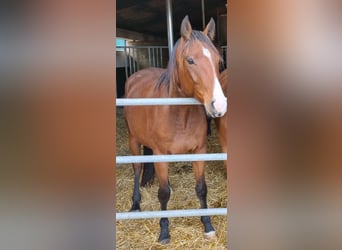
x,y
187,144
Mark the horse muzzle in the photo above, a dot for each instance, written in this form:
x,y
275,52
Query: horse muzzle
x,y
216,108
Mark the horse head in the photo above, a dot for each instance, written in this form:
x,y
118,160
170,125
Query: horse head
x,y
198,67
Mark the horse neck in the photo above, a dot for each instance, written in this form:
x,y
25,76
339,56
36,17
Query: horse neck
x,y
175,90
176,84
184,112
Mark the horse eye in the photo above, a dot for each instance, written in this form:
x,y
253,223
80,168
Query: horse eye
x,y
190,60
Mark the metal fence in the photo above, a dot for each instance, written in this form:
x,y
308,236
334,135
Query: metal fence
x,y
138,57
167,158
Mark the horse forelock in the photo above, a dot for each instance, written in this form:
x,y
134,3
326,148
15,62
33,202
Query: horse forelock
x,y
205,41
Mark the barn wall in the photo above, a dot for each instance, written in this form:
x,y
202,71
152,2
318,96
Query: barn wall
x,y
139,57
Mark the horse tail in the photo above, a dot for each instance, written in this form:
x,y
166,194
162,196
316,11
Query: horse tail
x,y
148,169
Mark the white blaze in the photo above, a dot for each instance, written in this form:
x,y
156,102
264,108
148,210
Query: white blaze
x,y
220,101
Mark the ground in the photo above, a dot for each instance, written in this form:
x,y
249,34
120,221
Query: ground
x,y
186,233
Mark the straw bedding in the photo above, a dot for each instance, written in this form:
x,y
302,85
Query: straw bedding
x,y
186,233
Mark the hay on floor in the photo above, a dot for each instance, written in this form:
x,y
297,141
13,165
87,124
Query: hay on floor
x,y
186,232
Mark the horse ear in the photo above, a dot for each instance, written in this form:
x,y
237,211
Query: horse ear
x,y
186,28
210,29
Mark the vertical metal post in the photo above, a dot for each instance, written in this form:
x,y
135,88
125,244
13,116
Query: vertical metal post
x,y
153,59
169,25
157,59
138,58
203,14
134,59
218,24
130,61
126,61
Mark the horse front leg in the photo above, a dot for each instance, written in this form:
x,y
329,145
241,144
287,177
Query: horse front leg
x,y
136,197
164,193
201,192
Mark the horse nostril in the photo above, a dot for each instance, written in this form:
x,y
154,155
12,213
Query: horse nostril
x,y
216,113
212,104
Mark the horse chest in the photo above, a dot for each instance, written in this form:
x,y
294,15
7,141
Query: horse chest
x,y
180,131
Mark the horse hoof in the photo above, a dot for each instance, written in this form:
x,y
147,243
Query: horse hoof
x,y
164,241
210,235
164,238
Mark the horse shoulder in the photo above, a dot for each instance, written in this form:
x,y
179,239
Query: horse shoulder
x,y
142,83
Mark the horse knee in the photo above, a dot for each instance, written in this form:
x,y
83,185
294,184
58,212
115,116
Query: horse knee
x,y
164,193
137,167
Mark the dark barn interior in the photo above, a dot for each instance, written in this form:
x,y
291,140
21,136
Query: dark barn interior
x,y
149,16
144,23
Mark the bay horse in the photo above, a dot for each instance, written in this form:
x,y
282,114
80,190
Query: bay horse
x,y
221,124
192,72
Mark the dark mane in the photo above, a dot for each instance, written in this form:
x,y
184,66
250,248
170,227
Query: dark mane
x,y
170,75
166,76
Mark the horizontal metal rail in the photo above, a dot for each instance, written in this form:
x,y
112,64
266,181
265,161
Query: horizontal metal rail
x,y
171,158
167,158
156,101
170,213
